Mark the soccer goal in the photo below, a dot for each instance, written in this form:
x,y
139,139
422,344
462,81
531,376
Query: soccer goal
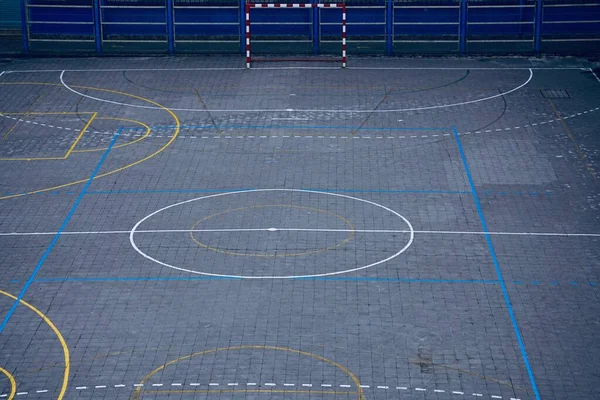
x,y
285,6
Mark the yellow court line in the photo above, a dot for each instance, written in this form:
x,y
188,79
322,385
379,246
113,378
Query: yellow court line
x,y
274,391
175,134
45,113
63,343
148,130
13,384
81,133
85,128
359,392
17,123
304,253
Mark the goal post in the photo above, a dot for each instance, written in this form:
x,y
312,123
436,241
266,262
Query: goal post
x,y
250,6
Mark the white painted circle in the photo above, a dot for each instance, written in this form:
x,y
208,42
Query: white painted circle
x,y
411,232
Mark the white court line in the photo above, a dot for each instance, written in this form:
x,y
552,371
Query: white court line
x,y
2,73
33,71
290,110
123,232
591,70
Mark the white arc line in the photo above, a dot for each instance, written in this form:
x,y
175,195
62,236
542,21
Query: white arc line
x,y
288,110
343,196
148,231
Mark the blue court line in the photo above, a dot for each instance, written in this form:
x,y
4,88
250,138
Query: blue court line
x,y
164,191
208,278
501,281
168,127
60,230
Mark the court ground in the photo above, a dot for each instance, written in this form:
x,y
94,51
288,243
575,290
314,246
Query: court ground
x,y
401,229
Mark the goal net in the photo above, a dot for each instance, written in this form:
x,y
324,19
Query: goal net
x,y
264,21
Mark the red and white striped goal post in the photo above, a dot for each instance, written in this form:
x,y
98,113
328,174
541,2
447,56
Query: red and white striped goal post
x,y
250,6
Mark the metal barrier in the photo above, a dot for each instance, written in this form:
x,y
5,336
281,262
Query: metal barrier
x,y
50,23
366,24
206,25
133,25
426,26
500,26
568,23
373,26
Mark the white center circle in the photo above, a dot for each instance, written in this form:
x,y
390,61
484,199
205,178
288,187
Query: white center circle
x,y
410,231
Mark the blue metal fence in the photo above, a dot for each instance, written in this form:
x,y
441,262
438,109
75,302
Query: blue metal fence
x,y
373,26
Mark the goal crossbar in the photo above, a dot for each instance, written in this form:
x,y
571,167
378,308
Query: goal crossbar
x,y
250,6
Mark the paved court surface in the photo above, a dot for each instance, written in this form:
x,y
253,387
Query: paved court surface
x,y
405,228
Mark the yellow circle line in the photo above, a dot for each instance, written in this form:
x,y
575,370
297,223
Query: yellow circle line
x,y
175,134
310,252
360,392
13,384
124,144
63,343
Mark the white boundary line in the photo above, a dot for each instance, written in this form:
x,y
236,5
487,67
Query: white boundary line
x,y
123,232
591,70
33,71
402,250
303,110
2,73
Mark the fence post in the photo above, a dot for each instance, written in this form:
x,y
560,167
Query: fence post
x,y
315,26
170,26
24,26
389,15
97,27
538,24
463,26
243,26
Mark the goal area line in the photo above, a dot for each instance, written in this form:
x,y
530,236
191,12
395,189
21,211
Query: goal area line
x,y
250,58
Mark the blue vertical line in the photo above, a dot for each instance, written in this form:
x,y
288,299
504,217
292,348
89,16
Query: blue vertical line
x,y
501,281
389,19
61,229
242,18
24,26
315,27
170,26
539,4
463,26
97,27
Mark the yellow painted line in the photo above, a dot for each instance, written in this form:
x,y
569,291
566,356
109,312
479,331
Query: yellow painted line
x,y
44,113
85,128
148,130
13,384
359,392
17,123
175,134
81,133
304,253
250,391
63,343
582,156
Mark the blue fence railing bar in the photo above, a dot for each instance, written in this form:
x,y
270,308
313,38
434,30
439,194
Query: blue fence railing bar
x,y
373,26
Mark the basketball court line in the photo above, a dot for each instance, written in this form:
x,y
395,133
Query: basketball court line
x,y
498,270
325,230
57,235
290,110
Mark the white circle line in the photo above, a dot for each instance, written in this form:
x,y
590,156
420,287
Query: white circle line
x,y
133,231
287,110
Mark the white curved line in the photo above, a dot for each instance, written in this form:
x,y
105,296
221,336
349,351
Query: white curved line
x,y
289,110
133,230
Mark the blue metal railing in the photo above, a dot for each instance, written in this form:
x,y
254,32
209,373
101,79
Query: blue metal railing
x,y
375,26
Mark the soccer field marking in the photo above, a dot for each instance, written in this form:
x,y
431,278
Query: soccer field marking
x,y
267,387
291,110
282,136
317,230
